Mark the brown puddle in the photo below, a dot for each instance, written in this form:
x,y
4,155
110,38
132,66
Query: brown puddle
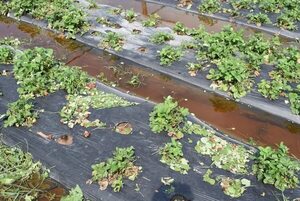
x,y
232,118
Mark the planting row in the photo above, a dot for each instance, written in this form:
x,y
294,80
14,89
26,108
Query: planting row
x,y
235,64
285,13
39,74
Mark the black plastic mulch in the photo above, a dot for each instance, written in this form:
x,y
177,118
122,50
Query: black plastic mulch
x,y
238,20
71,165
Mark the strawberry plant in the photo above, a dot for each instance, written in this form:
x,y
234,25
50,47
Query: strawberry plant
x,y
180,29
3,8
241,4
209,6
7,49
113,40
232,75
115,169
294,99
258,19
276,167
286,22
161,37
288,64
168,117
6,54
257,50
152,21
20,113
273,89
62,15
31,69
273,6
72,80
220,45
172,155
130,15
169,54
207,177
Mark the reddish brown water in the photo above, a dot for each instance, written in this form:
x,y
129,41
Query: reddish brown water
x,y
232,118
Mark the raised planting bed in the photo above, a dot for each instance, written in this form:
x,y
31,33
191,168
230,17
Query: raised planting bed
x,y
71,123
276,16
206,60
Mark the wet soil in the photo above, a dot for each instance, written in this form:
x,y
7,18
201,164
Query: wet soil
x,y
228,116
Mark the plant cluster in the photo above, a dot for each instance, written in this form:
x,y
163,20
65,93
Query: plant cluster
x,y
180,29
161,37
258,19
168,117
130,15
62,15
7,49
274,88
151,21
225,155
294,99
288,64
232,75
276,167
20,113
112,40
115,169
32,70
169,55
209,6
172,155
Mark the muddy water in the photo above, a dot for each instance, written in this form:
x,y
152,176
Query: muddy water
x,y
235,119
169,16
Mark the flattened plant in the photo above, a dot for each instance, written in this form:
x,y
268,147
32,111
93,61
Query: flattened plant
x,y
234,187
225,155
20,177
115,169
